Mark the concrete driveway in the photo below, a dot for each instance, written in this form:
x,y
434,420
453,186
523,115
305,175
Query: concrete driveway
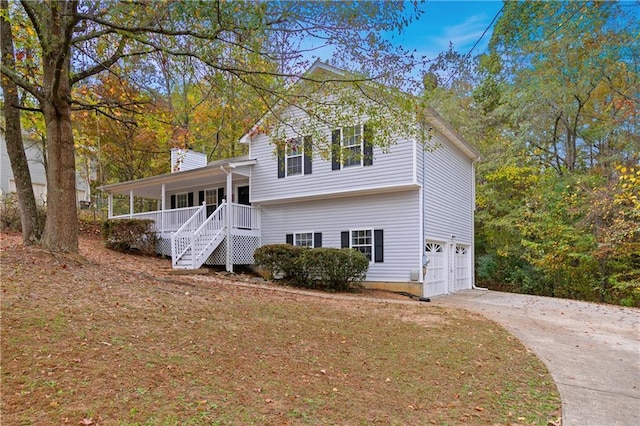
x,y
592,351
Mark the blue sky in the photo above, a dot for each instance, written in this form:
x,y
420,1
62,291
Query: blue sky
x,y
444,21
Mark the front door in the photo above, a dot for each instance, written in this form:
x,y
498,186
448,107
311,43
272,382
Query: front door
x,y
243,195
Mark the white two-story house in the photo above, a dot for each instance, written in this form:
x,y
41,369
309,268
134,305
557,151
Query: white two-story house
x,y
409,209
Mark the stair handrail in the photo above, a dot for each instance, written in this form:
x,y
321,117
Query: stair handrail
x,y
183,229
218,216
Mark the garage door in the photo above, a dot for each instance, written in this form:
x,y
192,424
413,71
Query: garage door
x,y
436,276
462,268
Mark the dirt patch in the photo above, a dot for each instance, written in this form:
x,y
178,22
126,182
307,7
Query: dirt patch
x,y
105,338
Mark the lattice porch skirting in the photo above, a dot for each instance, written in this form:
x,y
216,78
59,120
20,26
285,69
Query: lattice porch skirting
x,y
243,247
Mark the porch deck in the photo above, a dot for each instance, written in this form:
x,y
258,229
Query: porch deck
x,y
228,236
245,220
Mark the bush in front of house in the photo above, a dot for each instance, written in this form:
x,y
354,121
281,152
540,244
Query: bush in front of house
x,y
130,235
335,269
329,269
282,261
10,213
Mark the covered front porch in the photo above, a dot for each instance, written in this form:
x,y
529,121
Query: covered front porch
x,y
201,216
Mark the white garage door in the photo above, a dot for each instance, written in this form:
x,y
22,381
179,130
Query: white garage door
x,y
436,277
462,269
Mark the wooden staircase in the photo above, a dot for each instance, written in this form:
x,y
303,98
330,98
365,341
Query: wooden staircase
x,y
196,240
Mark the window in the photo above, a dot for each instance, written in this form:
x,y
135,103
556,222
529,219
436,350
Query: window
x,y
211,197
363,242
367,241
351,146
294,156
303,239
182,200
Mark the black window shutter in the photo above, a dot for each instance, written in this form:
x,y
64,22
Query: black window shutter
x,y
289,239
190,199
308,155
344,239
378,246
280,162
173,201
335,150
367,150
317,239
220,195
200,197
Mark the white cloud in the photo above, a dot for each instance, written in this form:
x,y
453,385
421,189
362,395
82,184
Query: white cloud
x,y
464,35
429,41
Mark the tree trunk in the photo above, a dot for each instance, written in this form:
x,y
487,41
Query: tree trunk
x,y
61,226
31,225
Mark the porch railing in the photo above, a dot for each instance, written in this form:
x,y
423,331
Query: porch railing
x,y
245,217
206,238
181,240
164,220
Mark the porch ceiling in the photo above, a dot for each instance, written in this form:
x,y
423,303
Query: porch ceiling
x,y
211,175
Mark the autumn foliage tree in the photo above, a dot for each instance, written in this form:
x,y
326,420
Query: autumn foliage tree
x,y
256,44
553,108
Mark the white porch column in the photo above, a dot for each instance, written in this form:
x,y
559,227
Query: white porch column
x,y
130,203
162,199
229,220
110,205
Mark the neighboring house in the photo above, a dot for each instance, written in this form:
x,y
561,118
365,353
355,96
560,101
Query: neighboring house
x,y
410,211
33,152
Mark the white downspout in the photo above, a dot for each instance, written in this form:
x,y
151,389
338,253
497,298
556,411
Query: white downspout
x,y
110,205
473,230
425,260
130,203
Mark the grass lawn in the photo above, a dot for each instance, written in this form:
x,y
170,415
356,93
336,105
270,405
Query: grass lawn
x,y
110,339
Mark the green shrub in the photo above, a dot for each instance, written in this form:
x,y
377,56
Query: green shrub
x,y
10,213
335,269
328,269
282,261
130,235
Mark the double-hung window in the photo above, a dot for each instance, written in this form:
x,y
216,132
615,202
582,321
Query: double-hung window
x,y
295,157
182,200
211,197
352,145
303,239
294,160
369,242
362,240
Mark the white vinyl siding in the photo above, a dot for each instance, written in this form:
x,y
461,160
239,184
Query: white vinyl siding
x,y
33,152
449,193
389,169
182,160
395,213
